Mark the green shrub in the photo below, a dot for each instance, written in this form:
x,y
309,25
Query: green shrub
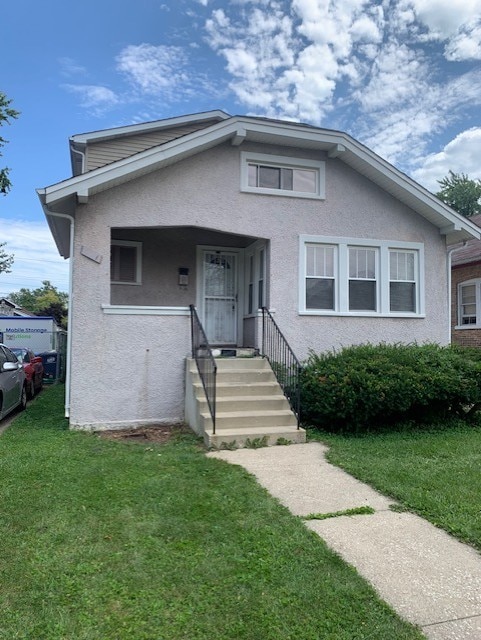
x,y
362,387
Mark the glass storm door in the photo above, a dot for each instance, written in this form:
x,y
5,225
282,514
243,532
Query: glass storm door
x,y
220,297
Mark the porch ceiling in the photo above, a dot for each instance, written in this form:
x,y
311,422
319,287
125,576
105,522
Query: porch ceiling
x,y
190,235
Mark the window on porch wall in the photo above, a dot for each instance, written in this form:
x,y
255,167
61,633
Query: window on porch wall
x,y
261,288
250,285
125,262
255,276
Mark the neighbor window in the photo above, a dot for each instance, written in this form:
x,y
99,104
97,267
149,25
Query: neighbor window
x,y
279,175
126,262
342,276
469,303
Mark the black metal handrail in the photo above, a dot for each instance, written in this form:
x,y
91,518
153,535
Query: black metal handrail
x,y
205,361
281,357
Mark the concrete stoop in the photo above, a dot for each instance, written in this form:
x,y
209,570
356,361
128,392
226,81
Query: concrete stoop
x,y
251,409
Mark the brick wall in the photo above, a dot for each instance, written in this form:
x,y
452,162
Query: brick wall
x,y
461,273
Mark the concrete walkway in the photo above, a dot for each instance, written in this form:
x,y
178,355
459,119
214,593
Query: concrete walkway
x,y
428,577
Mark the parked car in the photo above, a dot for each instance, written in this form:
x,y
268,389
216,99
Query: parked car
x,y
13,386
33,367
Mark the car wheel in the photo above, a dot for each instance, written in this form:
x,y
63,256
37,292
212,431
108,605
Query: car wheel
x,y
23,398
31,389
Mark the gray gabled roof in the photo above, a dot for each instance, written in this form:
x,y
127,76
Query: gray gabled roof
x,y
62,197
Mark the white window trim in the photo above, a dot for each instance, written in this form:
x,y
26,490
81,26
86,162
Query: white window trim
x,y
477,283
138,266
287,163
383,276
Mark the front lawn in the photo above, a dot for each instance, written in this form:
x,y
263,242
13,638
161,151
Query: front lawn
x,y
110,540
435,473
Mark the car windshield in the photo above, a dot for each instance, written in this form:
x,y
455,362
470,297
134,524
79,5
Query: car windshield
x,y
19,353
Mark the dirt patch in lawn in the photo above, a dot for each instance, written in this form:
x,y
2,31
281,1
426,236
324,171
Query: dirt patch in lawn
x,y
160,434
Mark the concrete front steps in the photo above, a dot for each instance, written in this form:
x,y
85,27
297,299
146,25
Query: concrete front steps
x,y
251,409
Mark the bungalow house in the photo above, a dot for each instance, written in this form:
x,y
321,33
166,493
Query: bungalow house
x,y
466,291
231,214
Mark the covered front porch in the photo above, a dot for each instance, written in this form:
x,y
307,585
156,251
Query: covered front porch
x,y
164,270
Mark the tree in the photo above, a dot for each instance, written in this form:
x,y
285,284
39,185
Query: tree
x,y
461,193
6,114
47,300
6,260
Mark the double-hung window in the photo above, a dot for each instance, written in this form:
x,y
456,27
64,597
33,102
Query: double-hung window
x,y
349,276
362,279
469,304
402,280
282,176
320,276
126,262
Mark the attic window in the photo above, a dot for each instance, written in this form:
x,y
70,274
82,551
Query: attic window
x,y
126,262
281,175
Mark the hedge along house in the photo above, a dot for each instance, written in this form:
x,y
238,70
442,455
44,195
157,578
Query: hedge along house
x,y
231,214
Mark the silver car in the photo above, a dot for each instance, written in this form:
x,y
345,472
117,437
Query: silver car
x,y
13,389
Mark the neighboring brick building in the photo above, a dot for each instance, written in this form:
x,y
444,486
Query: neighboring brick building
x,y
466,292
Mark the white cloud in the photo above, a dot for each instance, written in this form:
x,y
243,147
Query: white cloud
x,y
94,97
68,67
397,74
460,155
466,45
153,69
401,131
258,49
368,60
163,74
455,22
288,59
365,29
36,256
445,17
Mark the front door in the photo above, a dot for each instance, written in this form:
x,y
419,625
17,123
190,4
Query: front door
x,y
220,296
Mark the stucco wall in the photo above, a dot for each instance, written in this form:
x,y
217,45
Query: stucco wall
x,y
204,191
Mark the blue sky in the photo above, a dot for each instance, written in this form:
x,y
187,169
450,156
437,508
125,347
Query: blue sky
x,y
401,76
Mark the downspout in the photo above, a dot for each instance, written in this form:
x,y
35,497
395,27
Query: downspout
x,y
450,253
82,155
70,309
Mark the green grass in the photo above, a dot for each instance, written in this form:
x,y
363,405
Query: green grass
x,y
112,540
357,511
435,473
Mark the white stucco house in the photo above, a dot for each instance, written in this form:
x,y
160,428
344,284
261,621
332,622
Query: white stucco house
x,y
232,213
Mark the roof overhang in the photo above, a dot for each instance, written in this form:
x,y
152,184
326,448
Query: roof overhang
x,y
79,142
63,196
